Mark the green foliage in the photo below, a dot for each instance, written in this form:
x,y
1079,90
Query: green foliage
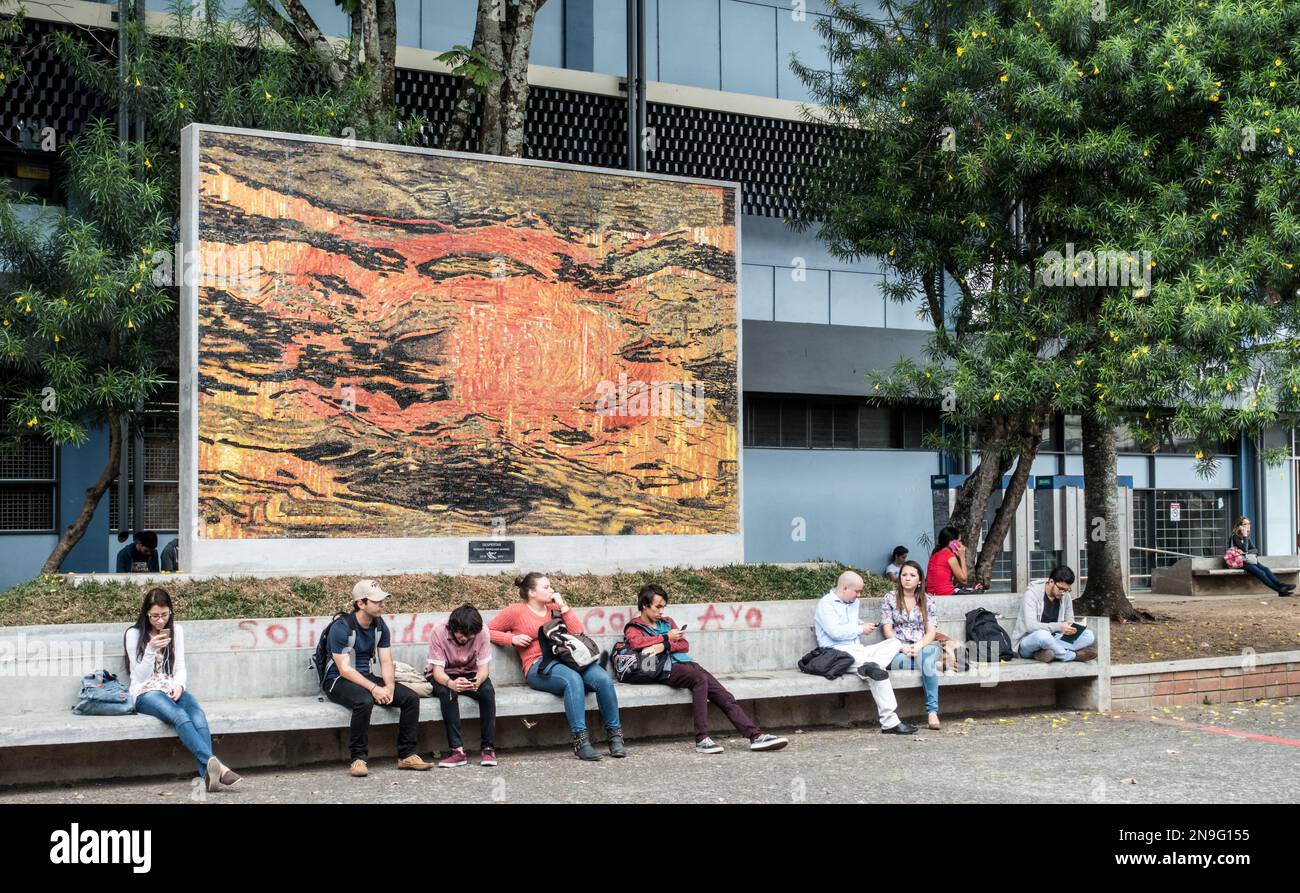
x,y
470,63
84,331
51,599
979,138
11,31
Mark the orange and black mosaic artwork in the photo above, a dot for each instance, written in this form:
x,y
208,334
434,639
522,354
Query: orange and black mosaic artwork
x,y
397,344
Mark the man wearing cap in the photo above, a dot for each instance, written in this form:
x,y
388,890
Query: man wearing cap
x,y
350,682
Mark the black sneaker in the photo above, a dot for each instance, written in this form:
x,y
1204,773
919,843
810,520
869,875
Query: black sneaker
x,y
901,729
767,742
876,672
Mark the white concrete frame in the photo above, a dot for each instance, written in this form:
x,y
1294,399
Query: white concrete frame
x,y
319,556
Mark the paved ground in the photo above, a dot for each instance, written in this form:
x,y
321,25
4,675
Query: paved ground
x,y
1165,757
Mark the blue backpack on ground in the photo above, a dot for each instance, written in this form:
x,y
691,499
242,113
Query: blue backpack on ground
x,y
103,695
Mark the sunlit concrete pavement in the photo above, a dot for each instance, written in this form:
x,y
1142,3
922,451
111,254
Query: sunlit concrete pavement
x,y
1169,756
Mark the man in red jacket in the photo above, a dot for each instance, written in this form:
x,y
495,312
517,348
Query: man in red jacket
x,y
654,632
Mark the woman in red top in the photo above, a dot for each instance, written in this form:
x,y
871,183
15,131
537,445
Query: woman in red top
x,y
947,568
519,624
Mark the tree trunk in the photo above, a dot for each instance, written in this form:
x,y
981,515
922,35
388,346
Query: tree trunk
x,y
973,496
515,85
1030,441
370,54
386,13
467,95
74,532
300,30
494,53
1107,591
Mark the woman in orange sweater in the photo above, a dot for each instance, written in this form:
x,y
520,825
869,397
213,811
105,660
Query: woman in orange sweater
x,y
518,625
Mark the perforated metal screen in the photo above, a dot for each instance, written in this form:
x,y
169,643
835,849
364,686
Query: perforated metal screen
x,y
763,154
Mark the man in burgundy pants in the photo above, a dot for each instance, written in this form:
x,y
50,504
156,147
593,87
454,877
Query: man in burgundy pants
x,y
654,632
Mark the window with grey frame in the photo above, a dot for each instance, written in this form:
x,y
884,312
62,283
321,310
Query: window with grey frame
x,y
847,423
28,485
160,426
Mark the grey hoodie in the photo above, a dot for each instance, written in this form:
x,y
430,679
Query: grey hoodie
x,y
1031,609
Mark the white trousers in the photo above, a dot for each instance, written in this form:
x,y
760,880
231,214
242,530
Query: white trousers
x,y
881,654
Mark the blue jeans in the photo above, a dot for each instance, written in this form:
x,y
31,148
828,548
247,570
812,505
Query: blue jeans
x,y
573,687
929,675
1265,576
1041,638
187,716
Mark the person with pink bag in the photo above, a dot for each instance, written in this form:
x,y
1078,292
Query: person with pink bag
x,y
1241,542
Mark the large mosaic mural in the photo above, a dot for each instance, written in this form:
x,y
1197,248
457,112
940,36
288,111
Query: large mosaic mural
x,y
401,344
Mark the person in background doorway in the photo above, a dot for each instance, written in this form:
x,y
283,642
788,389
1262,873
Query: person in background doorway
x,y
1241,540
141,556
896,559
170,560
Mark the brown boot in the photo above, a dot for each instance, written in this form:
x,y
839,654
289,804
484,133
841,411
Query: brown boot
x,y
359,769
1045,655
1089,653
414,762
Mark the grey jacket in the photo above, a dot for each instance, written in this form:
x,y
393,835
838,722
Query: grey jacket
x,y
1031,609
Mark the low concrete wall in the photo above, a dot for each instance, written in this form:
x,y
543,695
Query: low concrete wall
x,y
165,756
1214,680
237,659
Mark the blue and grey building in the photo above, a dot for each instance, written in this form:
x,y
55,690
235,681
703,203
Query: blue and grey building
x,y
826,473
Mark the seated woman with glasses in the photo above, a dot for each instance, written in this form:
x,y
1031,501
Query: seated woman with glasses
x,y
155,657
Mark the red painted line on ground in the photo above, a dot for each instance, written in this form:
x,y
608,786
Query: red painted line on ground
x,y
1271,739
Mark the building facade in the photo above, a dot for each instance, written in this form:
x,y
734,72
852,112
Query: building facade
x,y
826,473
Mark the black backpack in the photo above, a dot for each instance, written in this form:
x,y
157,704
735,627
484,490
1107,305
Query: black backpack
x,y
982,627
829,662
322,659
631,666
576,651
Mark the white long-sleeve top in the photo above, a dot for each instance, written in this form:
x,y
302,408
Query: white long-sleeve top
x,y
143,670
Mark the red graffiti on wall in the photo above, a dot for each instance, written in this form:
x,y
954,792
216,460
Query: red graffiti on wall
x,y
406,629
750,617
303,632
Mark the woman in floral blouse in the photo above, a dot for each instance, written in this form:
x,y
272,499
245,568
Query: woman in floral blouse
x,y
911,616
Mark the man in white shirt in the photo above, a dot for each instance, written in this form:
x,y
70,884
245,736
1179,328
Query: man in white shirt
x,y
840,626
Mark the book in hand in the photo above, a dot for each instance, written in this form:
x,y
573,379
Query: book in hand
x,y
1079,625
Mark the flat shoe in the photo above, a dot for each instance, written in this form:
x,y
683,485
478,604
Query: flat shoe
x,y
214,775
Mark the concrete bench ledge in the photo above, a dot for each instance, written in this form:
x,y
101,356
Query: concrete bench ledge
x,y
1210,576
264,705
1228,571
285,714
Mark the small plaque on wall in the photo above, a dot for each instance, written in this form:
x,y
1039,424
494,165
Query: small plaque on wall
x,y
491,551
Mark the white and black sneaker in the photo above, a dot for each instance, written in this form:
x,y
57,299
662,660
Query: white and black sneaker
x,y
708,745
767,742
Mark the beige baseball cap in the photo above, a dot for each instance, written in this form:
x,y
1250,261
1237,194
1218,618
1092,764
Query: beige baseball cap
x,y
368,589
